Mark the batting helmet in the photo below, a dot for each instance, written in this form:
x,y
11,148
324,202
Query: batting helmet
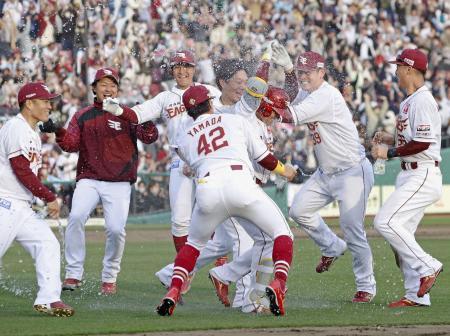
x,y
276,100
182,57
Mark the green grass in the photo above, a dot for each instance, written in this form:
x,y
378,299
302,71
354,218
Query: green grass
x,y
313,299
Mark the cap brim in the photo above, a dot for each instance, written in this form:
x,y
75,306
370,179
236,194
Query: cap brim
x,y
54,96
112,77
285,114
306,68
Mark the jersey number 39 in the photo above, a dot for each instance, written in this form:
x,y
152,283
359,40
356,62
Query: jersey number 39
x,y
213,142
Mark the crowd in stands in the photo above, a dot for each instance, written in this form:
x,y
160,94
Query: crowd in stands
x,y
63,42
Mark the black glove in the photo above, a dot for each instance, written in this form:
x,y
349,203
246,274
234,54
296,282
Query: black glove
x,y
49,127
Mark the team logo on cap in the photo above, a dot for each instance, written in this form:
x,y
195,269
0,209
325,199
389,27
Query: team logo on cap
x,y
107,72
408,61
303,60
45,88
192,101
181,54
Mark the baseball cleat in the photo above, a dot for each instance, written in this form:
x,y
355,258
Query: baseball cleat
x,y
325,264
276,292
427,282
362,297
404,302
168,303
58,308
221,289
109,288
71,284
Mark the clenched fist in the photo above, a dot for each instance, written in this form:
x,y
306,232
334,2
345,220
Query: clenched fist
x,y
112,106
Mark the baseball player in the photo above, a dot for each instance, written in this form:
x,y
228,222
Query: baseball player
x,y
274,106
231,79
418,143
106,170
220,148
344,173
169,106
20,160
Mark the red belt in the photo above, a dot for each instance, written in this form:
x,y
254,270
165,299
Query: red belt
x,y
414,165
232,167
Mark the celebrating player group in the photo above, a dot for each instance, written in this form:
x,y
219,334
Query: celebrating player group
x,y
221,154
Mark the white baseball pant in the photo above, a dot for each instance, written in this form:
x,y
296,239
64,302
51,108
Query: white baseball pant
x,y
229,236
181,196
19,222
399,217
351,189
115,197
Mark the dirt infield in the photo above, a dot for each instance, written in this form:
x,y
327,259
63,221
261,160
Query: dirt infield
x,y
429,330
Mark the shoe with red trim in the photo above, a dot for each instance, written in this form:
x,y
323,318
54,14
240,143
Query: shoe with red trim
x,y
221,289
404,302
109,288
325,264
427,282
362,297
169,302
71,284
58,308
221,261
276,292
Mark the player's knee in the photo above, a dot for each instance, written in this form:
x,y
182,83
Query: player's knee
x,y
116,231
299,217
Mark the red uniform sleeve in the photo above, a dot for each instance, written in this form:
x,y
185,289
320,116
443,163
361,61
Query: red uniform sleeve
x,y
263,70
269,162
147,132
129,114
412,147
21,167
69,140
291,85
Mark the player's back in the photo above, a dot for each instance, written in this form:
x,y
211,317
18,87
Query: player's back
x,y
213,141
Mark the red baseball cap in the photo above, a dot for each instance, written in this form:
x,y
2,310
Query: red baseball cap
x,y
106,72
309,61
36,90
195,95
182,57
413,58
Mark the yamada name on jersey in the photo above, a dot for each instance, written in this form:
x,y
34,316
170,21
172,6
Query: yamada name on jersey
x,y
205,124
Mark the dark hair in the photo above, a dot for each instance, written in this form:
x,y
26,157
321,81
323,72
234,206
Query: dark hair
x,y
21,105
225,69
200,109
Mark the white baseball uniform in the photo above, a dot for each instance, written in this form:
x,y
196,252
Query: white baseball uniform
x,y
169,106
17,219
418,185
344,175
220,149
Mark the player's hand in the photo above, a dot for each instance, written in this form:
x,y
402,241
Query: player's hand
x,y
289,172
281,57
188,171
53,209
382,137
49,126
112,106
255,90
379,151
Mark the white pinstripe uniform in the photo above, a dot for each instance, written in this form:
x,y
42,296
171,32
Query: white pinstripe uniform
x,y
344,174
415,189
17,219
169,106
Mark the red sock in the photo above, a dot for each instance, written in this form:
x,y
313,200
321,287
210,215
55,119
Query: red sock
x,y
184,264
282,256
179,242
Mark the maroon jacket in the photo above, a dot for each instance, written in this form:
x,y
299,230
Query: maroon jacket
x,y
106,144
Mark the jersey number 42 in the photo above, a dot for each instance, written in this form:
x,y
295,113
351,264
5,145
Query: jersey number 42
x,y
214,141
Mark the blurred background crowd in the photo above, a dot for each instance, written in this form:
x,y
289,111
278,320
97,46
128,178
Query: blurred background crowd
x,y
64,42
